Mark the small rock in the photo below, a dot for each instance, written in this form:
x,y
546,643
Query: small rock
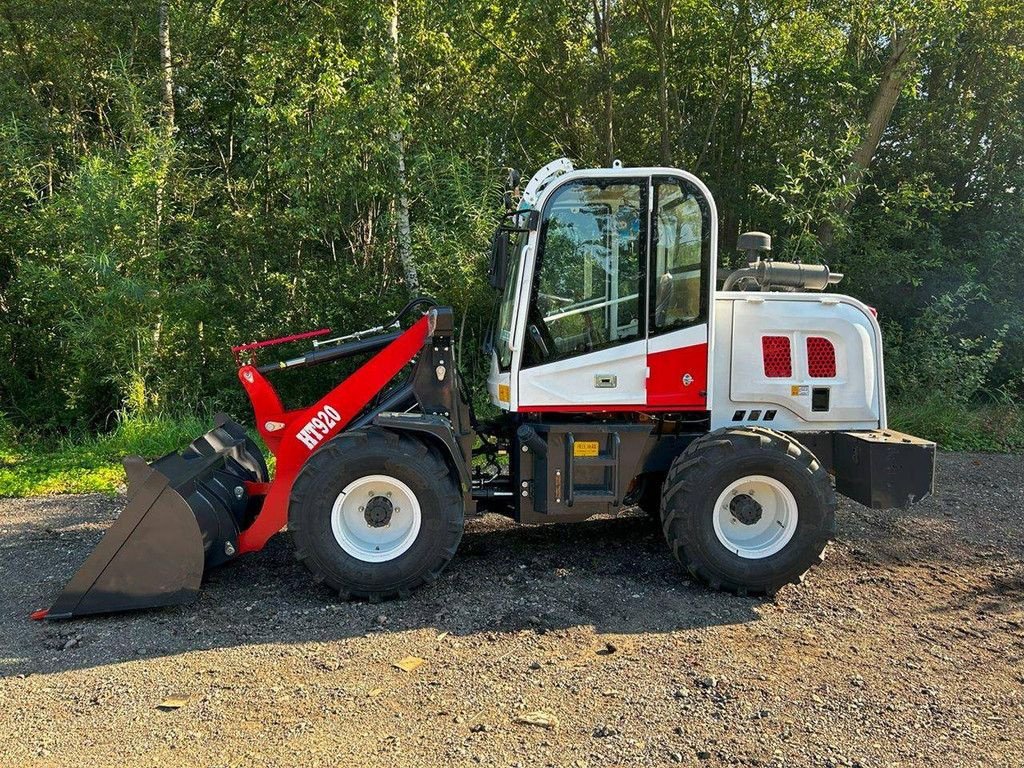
x,y
707,682
676,757
70,643
534,665
605,731
480,728
539,718
703,754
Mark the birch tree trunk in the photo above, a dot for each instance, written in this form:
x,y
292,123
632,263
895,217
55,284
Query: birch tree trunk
x,y
602,41
167,131
900,63
167,73
659,28
403,228
167,104
665,149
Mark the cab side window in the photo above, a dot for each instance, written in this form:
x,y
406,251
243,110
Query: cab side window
x,y
681,247
589,281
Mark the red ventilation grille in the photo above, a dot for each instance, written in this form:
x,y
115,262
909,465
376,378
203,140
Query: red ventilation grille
x,y
821,358
778,360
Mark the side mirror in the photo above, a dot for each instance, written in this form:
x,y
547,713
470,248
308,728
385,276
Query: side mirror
x,y
499,260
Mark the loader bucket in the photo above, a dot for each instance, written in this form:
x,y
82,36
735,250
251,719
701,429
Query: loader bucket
x,y
184,515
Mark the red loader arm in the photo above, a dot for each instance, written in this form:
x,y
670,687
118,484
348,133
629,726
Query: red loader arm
x,y
187,511
293,436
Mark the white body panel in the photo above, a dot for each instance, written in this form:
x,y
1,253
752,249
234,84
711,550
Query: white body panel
x,y
683,337
857,391
613,376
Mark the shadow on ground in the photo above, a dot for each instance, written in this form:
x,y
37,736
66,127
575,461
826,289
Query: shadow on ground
x,y
610,576
615,575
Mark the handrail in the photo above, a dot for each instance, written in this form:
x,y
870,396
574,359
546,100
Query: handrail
x,y
587,308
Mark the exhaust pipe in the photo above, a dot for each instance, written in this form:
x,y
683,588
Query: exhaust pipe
x,y
184,515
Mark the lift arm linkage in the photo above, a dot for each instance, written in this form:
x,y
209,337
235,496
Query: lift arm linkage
x,y
292,436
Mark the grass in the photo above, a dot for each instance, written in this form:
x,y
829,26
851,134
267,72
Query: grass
x,y
959,427
32,466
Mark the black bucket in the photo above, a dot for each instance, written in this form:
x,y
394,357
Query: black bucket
x,y
184,514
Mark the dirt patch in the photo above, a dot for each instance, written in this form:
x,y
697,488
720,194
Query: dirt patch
x,y
904,648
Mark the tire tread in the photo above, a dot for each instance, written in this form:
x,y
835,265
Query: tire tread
x,y
334,453
684,480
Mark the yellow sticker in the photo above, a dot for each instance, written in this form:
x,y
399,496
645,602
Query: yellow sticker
x,y
504,394
586,448
799,390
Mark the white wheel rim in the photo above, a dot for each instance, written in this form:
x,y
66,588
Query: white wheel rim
x,y
380,541
755,531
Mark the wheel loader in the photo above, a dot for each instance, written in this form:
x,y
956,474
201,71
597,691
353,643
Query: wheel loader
x,y
627,373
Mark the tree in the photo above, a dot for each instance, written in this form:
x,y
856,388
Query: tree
x,y
404,231
602,10
899,66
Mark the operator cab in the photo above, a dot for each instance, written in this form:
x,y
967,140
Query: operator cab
x,y
606,278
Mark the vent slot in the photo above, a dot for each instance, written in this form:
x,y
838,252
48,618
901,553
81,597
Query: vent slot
x,y
819,399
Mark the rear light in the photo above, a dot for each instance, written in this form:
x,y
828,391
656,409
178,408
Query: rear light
x,y
821,358
777,357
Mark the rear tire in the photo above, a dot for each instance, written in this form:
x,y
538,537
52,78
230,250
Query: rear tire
x,y
748,510
375,514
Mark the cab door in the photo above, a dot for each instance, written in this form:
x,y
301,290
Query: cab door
x,y
585,344
681,260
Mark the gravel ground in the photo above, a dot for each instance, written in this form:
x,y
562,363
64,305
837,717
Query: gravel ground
x,y
904,648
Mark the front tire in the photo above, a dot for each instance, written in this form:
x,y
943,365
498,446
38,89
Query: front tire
x,y
748,510
375,514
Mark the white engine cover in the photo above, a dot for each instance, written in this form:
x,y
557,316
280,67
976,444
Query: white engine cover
x,y
745,391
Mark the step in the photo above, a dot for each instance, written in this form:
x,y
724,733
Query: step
x,y
592,496
595,461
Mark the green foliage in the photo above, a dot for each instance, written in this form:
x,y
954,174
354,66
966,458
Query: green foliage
x,y
34,465
38,466
133,254
956,427
806,196
934,357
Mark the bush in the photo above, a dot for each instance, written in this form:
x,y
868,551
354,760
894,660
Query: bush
x,y
89,464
